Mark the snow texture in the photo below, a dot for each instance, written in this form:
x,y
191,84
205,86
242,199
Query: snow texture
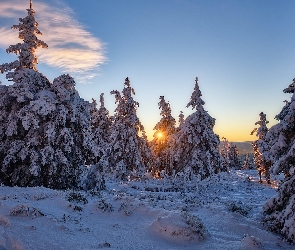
x,y
135,214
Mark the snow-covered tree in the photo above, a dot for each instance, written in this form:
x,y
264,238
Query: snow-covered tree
x,y
259,148
100,125
26,50
162,141
234,157
279,210
45,128
128,149
225,153
196,148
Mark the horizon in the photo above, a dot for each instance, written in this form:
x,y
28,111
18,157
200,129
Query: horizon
x,y
242,53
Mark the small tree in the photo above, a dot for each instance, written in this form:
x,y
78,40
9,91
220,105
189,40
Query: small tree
x,y
234,157
128,150
225,153
279,210
196,147
262,164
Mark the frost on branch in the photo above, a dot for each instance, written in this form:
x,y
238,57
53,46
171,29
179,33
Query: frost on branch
x,y
46,135
162,141
279,211
127,153
26,50
196,148
260,148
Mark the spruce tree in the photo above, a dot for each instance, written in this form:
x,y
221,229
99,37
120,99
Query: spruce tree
x,y
163,137
259,148
234,158
100,125
196,150
279,210
45,127
225,153
128,149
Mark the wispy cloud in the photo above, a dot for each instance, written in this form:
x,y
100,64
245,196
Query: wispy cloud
x,y
71,47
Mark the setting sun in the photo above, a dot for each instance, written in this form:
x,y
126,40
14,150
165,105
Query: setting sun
x,y
160,135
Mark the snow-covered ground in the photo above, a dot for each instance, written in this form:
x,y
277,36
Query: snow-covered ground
x,y
222,212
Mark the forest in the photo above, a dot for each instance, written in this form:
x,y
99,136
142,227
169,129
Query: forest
x,y
52,138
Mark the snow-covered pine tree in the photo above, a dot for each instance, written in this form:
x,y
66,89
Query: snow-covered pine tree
x,y
162,141
128,149
234,157
44,128
259,148
101,125
279,210
225,152
246,164
196,151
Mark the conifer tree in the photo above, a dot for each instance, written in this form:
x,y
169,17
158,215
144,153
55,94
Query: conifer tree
x,y
234,157
279,210
100,125
259,148
127,151
26,50
45,128
225,153
163,137
196,151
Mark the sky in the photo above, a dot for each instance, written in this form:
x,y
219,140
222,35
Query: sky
x,y
242,52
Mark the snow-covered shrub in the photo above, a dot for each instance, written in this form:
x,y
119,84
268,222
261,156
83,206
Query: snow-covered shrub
x,y
104,206
180,227
76,197
20,210
92,178
238,207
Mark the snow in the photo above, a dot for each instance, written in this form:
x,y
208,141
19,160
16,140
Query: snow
x,y
220,212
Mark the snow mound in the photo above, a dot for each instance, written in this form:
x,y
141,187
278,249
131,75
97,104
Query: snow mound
x,y
251,242
179,227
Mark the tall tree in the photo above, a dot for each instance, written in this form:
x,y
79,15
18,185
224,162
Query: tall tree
x,y
162,141
100,125
196,150
44,127
127,151
279,210
259,148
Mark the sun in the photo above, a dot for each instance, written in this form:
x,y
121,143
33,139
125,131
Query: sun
x,y
160,135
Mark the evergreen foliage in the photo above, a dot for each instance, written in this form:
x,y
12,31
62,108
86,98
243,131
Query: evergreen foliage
x,y
195,150
128,153
260,148
44,128
163,138
279,211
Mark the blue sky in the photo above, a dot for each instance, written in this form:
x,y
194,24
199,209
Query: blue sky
x,y
242,51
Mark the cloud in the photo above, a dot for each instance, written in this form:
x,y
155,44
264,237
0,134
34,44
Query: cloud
x,y
71,47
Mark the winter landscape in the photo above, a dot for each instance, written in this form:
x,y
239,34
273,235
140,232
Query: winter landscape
x,y
74,176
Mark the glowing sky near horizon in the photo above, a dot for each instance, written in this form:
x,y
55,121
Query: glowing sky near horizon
x,y
242,51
